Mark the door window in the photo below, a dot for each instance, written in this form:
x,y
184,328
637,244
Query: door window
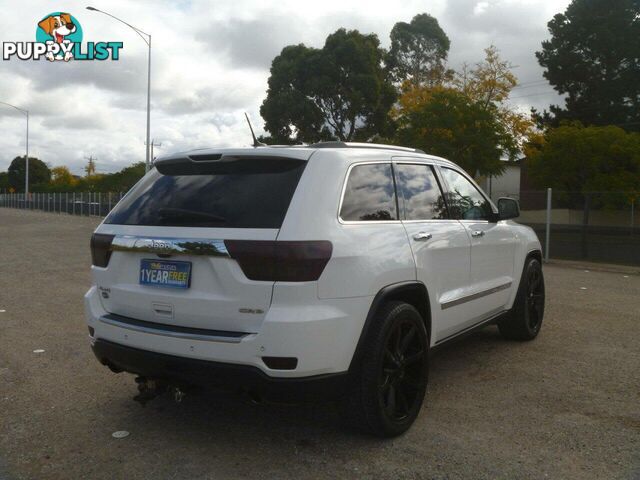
x,y
464,200
369,194
419,194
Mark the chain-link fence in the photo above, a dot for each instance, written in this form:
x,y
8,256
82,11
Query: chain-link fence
x,y
596,226
73,203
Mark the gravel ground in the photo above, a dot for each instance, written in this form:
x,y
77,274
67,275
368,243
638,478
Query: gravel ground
x,y
564,406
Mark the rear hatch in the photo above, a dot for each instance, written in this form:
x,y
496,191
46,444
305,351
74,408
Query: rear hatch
x,y
180,248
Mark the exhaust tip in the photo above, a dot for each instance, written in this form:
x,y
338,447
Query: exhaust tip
x,y
281,363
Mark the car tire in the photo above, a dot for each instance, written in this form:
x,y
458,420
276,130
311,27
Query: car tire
x,y
525,319
390,386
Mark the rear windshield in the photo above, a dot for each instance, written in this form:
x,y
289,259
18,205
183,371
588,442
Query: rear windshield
x,y
252,193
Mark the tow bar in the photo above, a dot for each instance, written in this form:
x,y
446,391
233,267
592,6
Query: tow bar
x,y
148,389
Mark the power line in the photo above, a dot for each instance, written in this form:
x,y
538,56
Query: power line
x,y
530,85
534,94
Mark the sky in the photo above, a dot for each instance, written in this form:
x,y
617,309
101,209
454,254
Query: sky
x,y
210,64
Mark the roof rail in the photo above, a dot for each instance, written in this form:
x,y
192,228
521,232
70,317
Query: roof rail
x,y
379,146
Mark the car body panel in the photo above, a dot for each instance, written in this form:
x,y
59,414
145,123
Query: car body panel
x,y
318,322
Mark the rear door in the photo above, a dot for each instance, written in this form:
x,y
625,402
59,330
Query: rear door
x,y
493,244
177,220
440,245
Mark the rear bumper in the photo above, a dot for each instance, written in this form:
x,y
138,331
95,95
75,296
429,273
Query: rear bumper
x,y
320,334
227,376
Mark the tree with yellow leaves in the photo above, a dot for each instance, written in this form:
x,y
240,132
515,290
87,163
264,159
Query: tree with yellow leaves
x,y
61,176
490,83
467,120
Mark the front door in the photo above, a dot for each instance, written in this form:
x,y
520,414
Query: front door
x,y
493,245
440,245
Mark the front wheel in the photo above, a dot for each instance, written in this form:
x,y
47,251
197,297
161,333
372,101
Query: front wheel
x,y
525,320
388,393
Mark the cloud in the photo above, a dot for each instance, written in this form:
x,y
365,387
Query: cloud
x,y
210,63
250,43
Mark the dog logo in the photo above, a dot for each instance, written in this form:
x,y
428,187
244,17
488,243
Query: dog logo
x,y
59,37
55,28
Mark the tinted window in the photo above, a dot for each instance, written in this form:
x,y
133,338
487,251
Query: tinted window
x,y
419,193
464,199
369,194
240,194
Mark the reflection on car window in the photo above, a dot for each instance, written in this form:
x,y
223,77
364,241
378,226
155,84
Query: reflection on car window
x,y
419,193
254,198
464,199
369,194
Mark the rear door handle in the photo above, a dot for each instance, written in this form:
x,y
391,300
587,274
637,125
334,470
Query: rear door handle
x,y
477,233
422,236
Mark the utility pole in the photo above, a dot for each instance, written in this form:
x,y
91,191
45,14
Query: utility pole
x,y
91,166
26,157
153,144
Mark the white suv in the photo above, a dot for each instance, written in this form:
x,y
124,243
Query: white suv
x,y
307,272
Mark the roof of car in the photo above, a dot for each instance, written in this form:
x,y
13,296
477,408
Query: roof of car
x,y
301,151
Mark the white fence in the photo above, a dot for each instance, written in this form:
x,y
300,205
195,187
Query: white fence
x,y
72,203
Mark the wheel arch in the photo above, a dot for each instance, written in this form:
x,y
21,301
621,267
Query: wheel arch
x,y
537,254
412,292
534,253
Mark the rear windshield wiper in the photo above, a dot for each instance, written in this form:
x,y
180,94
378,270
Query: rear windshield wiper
x,y
183,213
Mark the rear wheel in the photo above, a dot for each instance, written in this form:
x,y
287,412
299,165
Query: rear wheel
x,y
387,395
525,320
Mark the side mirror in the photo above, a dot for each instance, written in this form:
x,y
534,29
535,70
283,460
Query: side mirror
x,y
508,208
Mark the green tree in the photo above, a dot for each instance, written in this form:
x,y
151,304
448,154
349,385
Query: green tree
x,y
418,51
39,173
593,57
580,159
121,181
4,181
338,92
577,161
444,121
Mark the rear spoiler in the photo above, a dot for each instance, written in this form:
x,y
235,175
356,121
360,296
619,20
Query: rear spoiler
x,y
218,163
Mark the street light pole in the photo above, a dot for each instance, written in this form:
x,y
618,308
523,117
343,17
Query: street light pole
x,y
26,157
148,161
146,40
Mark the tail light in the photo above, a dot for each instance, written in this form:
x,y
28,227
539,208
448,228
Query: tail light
x,y
101,249
277,261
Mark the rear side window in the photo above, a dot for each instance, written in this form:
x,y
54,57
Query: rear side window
x,y
252,193
369,194
419,194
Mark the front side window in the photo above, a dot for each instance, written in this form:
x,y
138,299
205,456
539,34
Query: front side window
x,y
419,193
464,199
369,194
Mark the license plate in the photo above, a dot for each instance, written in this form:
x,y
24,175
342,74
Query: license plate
x,y
165,273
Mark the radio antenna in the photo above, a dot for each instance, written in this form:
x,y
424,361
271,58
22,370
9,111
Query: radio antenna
x,y
256,143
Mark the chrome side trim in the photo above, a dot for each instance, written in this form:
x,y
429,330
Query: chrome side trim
x,y
169,246
474,296
136,327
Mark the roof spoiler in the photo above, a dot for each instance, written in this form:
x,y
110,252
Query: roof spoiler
x,y
218,163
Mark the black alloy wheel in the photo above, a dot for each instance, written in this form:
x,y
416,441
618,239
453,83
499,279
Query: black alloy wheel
x,y
535,298
389,384
525,318
402,376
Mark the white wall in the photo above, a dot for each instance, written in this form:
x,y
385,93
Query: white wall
x,y
505,185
